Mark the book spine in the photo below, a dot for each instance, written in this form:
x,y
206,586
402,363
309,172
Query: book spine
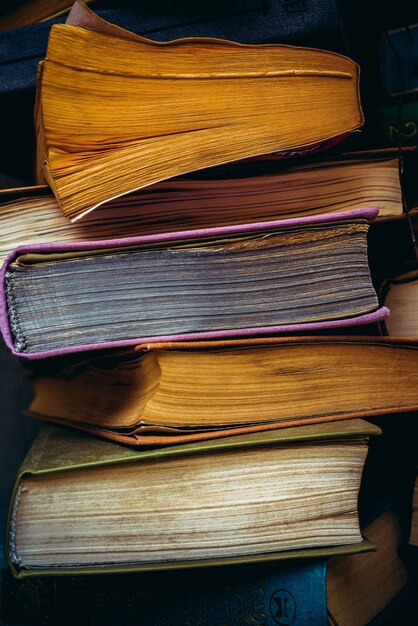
x,y
14,322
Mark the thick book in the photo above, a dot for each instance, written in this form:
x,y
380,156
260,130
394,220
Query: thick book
x,y
264,496
359,587
203,102
401,295
166,394
21,49
282,276
258,595
326,186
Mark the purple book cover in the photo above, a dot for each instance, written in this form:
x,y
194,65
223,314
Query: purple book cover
x,y
365,213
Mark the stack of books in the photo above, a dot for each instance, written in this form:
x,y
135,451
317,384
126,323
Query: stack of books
x,y
191,286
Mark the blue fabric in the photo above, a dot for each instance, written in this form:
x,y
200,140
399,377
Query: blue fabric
x,y
399,60
246,21
291,593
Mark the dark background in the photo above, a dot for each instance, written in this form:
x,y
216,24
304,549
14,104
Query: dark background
x,y
16,432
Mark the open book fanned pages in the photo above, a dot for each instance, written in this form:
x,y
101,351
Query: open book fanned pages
x,y
116,112
161,394
284,494
33,216
271,277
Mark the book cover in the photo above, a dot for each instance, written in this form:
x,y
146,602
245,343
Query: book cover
x,y
368,314
159,394
267,594
60,454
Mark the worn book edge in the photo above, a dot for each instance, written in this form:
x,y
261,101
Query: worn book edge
x,y
9,318
52,452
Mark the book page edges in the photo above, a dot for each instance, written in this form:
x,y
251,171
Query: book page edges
x,y
368,318
368,214
51,439
307,553
154,436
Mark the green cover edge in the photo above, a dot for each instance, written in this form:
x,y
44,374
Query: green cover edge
x,y
307,553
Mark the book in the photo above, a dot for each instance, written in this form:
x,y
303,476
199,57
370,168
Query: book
x,y
259,594
21,49
164,393
208,102
285,275
263,496
33,216
401,295
252,594
360,586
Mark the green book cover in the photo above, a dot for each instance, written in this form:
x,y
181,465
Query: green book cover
x,y
387,126
57,449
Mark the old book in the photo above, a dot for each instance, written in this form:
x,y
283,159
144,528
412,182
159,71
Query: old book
x,y
359,587
203,102
311,189
256,594
21,49
164,394
287,275
401,295
264,496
